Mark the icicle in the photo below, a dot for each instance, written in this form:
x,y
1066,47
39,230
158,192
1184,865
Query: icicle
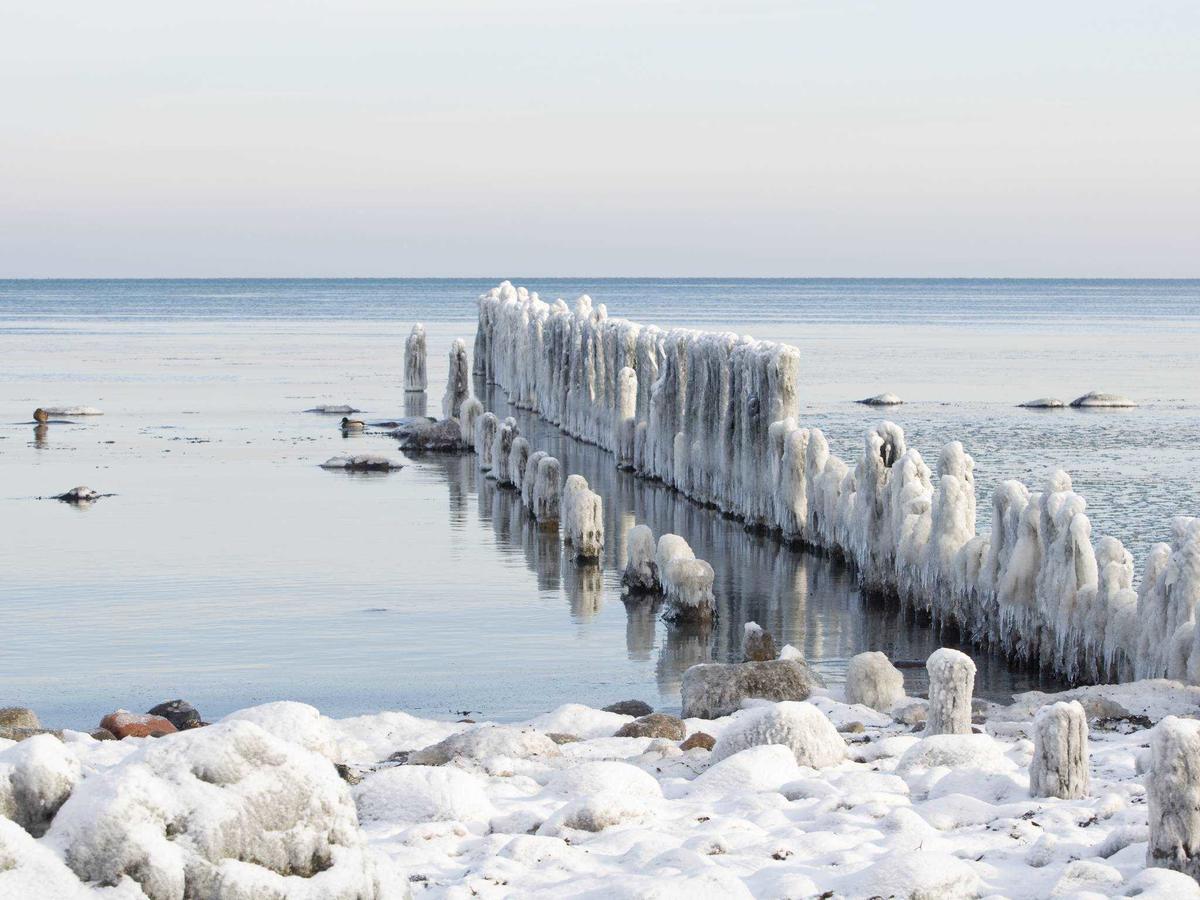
x,y
1059,767
414,360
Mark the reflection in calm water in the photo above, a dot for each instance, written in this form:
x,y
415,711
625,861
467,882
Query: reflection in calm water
x,y
809,601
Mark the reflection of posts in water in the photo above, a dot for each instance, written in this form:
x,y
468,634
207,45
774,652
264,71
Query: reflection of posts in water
x,y
686,645
416,403
543,554
584,585
39,436
641,619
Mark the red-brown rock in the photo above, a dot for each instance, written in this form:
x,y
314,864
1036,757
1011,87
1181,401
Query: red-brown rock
x,y
124,723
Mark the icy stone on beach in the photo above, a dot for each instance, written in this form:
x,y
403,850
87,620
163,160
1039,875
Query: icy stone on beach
x,y
485,436
1059,767
334,409
1043,403
885,399
1173,796
414,360
800,727
712,690
410,794
227,810
37,776
458,381
951,682
469,415
1099,399
873,681
80,494
547,491
583,518
486,742
757,645
641,571
362,462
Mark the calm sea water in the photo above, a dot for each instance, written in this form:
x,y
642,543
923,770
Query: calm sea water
x,y
229,569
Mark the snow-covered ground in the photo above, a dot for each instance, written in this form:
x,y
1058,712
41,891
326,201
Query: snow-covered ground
x,y
253,807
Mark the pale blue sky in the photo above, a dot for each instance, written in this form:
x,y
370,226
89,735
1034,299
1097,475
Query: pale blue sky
x,y
590,138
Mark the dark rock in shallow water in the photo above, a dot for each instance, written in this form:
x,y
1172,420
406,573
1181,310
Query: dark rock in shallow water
x,y
444,436
80,494
886,399
712,690
179,713
635,708
655,725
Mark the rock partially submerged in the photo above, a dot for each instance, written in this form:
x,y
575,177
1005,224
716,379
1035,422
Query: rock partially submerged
x,y
71,411
362,462
179,713
712,690
334,409
443,436
884,399
1101,400
80,494
1043,403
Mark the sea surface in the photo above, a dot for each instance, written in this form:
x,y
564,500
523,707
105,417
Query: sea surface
x,y
229,569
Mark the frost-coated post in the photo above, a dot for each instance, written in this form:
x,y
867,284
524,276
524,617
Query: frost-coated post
x,y
468,417
641,572
1173,796
583,518
458,381
873,681
546,491
414,360
485,434
624,417
951,681
529,479
1059,767
501,451
518,459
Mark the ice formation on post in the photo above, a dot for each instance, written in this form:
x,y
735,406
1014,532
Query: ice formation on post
x,y
469,415
1173,796
501,451
486,427
458,381
714,416
529,479
951,683
518,459
873,681
414,360
687,582
641,571
1059,767
582,518
547,491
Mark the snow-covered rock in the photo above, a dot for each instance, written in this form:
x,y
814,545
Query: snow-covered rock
x,y
37,776
296,723
412,794
1099,399
363,462
884,399
873,681
800,727
485,742
711,690
1043,403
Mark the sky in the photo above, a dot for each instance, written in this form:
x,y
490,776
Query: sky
x,y
753,138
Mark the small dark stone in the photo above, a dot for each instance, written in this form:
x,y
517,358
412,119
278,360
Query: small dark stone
x,y
559,738
345,773
759,646
655,725
103,734
400,757
467,721
701,739
635,708
179,713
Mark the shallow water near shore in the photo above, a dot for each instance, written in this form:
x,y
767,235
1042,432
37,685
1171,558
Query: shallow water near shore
x,y
230,569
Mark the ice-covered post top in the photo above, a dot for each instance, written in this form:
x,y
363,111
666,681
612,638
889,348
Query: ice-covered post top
x,y
414,360
485,435
469,415
951,682
458,381
1059,767
873,681
1173,796
547,491
583,518
641,572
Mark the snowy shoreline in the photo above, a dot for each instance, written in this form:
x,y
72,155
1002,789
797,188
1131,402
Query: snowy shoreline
x,y
280,801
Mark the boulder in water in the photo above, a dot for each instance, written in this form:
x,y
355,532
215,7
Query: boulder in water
x,y
80,494
69,411
884,399
712,690
362,462
1043,403
444,436
1101,400
334,409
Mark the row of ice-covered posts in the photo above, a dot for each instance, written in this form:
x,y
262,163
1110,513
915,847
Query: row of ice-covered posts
x,y
714,415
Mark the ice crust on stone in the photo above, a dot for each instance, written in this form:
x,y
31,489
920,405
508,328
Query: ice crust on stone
x,y
415,378
1043,403
363,462
800,727
873,681
714,416
72,411
884,399
1100,399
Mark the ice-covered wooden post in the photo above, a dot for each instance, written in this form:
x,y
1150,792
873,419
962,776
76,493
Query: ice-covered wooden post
x,y
414,360
873,681
518,459
1173,796
547,491
1059,767
502,450
529,479
624,417
583,518
485,434
951,682
468,417
641,572
458,381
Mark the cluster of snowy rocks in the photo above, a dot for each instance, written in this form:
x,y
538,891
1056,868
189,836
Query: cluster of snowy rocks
x,y
715,417
812,793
